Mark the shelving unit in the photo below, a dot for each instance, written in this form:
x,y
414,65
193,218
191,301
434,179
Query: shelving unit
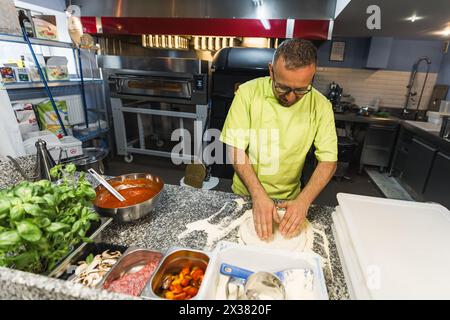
x,y
38,84
35,41
20,91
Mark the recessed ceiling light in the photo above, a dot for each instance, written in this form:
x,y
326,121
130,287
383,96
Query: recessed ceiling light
x,y
444,32
414,18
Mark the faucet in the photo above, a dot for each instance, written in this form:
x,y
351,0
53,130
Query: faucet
x,y
411,82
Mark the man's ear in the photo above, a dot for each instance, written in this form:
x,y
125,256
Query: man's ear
x,y
271,71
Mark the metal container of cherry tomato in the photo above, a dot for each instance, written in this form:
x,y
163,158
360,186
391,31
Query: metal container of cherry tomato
x,y
179,275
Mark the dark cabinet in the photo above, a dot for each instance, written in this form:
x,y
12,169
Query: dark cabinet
x,y
418,165
438,185
378,145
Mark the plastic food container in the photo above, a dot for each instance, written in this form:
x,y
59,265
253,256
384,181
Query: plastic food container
x,y
262,259
173,262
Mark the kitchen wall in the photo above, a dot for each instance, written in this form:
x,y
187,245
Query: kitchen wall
x,y
389,84
365,85
444,72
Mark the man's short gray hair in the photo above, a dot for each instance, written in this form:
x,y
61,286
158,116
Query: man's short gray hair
x,y
296,53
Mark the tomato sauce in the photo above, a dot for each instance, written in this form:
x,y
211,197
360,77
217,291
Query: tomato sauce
x,y
134,192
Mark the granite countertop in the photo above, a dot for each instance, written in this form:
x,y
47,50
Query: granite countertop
x,y
163,229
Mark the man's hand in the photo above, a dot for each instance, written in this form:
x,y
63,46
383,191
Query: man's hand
x,y
264,211
296,211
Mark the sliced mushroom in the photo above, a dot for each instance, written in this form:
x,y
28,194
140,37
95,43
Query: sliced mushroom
x,y
111,255
81,268
91,280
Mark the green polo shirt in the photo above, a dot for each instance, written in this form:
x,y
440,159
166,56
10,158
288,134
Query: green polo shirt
x,y
277,139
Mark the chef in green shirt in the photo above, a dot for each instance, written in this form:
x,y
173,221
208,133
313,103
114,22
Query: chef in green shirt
x,y
271,125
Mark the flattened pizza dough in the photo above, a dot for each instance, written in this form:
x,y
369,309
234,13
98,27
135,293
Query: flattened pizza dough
x,y
301,242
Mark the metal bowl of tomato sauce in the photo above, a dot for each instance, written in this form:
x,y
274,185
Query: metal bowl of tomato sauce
x,y
142,192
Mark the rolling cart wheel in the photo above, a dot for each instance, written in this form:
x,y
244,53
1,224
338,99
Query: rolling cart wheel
x,y
128,158
159,143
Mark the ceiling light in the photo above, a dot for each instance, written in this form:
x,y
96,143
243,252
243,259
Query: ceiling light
x,y
414,18
445,32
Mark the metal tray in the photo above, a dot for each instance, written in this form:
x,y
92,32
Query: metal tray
x,y
133,257
172,262
62,266
94,248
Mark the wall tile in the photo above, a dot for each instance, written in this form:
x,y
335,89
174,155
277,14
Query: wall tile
x,y
365,85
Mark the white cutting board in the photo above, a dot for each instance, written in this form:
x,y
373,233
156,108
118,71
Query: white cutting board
x,y
403,247
355,280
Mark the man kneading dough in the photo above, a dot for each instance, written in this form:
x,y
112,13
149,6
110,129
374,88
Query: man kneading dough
x,y
272,123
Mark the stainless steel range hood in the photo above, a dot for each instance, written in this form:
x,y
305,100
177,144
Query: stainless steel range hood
x,y
225,9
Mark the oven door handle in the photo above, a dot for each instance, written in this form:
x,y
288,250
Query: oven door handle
x,y
119,84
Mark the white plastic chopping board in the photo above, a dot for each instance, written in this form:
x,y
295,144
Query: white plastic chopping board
x,y
355,280
402,247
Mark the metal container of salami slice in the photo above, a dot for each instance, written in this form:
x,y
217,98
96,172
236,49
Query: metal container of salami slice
x,y
132,261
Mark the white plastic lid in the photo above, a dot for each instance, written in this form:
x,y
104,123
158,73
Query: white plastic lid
x,y
401,246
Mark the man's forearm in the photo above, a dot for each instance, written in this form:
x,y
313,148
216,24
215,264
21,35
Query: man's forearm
x,y
320,178
244,169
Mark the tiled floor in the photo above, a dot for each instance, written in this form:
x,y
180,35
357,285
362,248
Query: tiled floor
x,y
172,174
388,185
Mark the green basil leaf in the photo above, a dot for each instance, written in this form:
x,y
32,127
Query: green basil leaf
x,y
17,213
45,184
4,206
42,222
38,200
55,171
89,258
77,226
50,199
9,238
56,226
32,209
24,192
93,216
70,168
29,231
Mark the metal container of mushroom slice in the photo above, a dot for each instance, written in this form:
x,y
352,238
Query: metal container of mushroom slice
x,y
91,263
92,273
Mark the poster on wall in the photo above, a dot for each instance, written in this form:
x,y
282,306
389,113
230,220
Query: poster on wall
x,y
337,51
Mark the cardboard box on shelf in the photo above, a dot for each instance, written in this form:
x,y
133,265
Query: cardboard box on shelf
x,y
22,74
63,148
45,26
56,68
7,74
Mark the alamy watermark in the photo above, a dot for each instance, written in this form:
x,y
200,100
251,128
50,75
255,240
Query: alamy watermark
x,y
373,22
262,146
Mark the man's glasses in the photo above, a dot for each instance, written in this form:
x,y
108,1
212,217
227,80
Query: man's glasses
x,y
284,90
